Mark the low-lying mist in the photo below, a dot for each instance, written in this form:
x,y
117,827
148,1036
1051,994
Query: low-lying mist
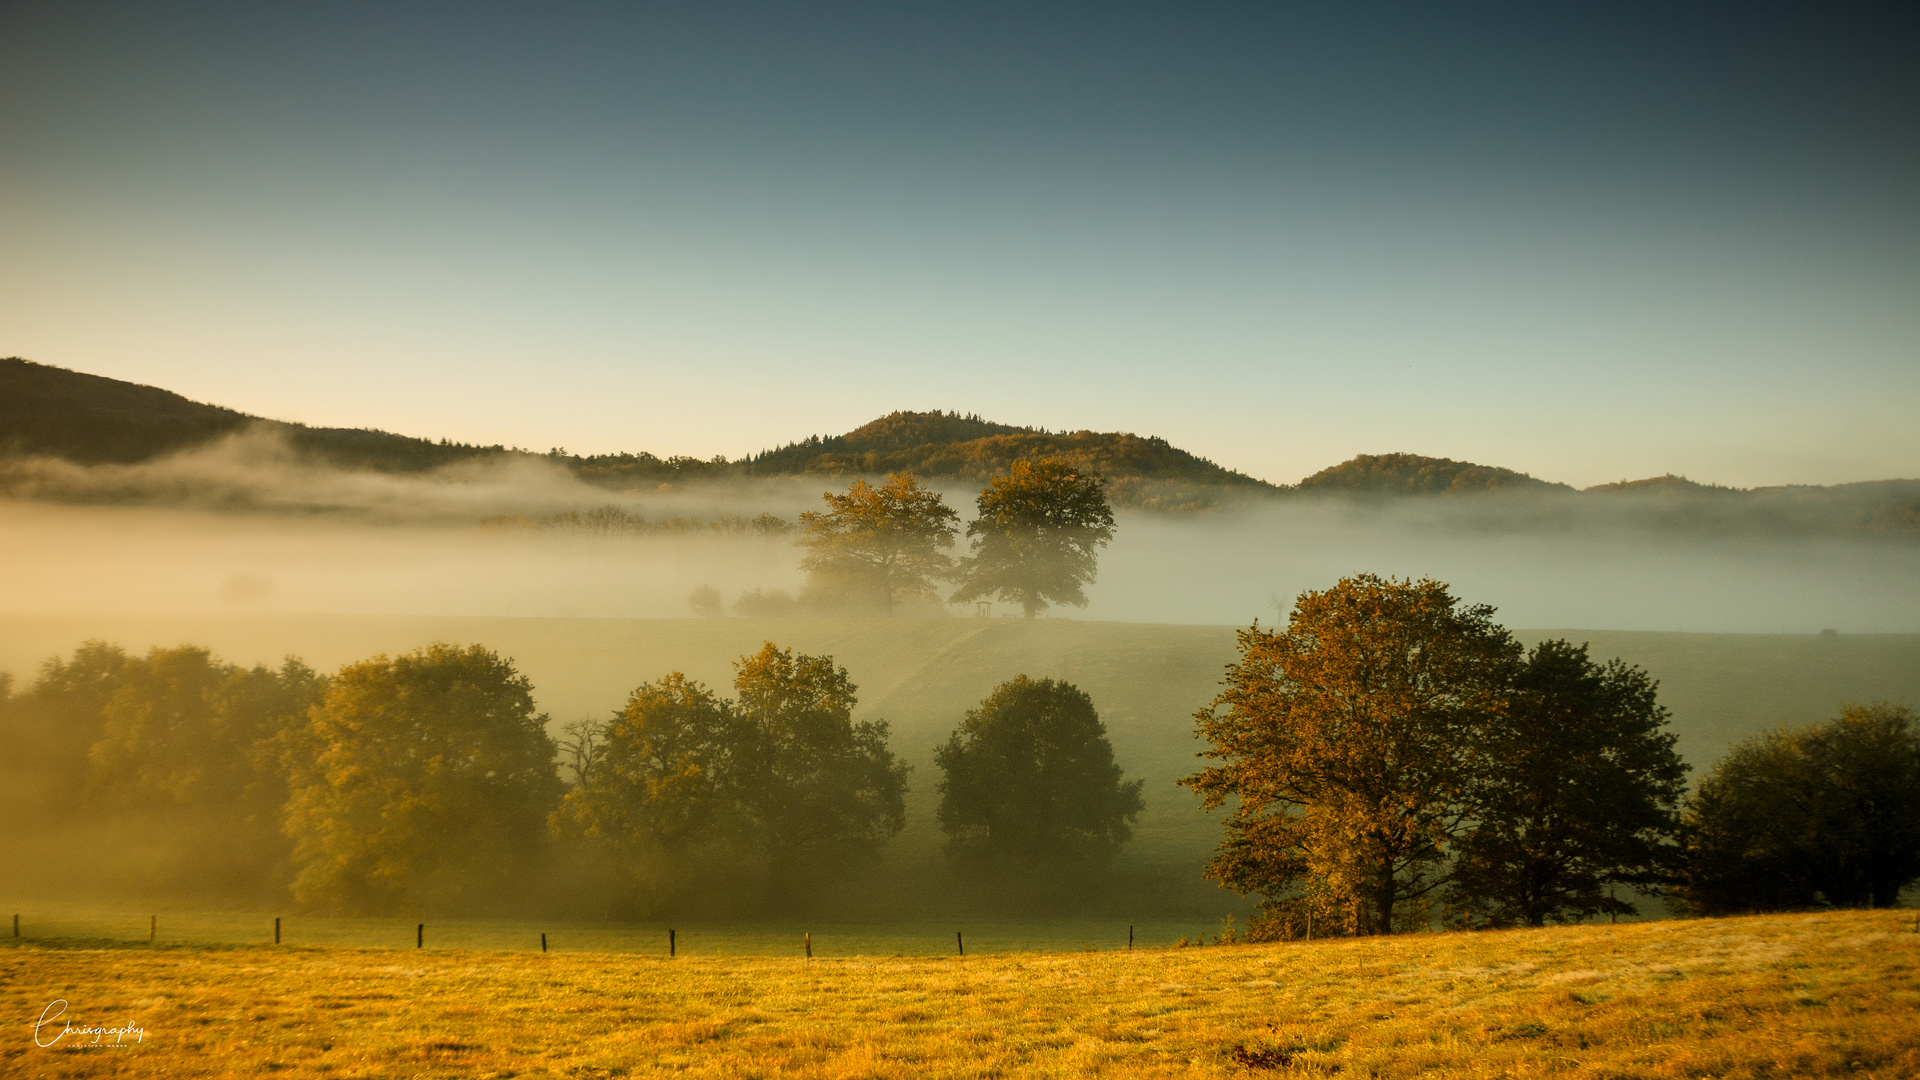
x,y
1225,568
246,524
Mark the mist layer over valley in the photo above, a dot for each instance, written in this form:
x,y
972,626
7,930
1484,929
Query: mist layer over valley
x,y
514,543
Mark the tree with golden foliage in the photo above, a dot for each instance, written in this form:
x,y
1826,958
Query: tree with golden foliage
x,y
429,784
1346,743
877,545
1037,538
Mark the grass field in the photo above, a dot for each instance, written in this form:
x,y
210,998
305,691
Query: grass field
x,y
1793,995
922,674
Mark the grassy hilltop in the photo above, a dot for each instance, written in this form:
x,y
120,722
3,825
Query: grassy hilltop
x,y
1787,995
921,675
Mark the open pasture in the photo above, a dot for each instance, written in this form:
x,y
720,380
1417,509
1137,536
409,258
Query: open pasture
x,y
1810,995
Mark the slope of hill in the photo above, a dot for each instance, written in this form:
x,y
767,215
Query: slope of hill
x,y
89,419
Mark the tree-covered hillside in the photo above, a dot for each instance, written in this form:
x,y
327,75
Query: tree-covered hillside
x,y
1411,474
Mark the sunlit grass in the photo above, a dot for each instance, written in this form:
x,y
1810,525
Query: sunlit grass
x,y
1800,995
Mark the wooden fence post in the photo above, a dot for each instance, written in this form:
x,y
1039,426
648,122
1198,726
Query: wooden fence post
x,y
153,927
808,937
669,944
276,929
420,936
543,943
960,941
1129,937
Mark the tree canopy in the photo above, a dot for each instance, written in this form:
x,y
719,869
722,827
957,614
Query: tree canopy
x,y
1828,814
1029,783
1575,791
780,785
1346,740
1037,537
876,545
429,783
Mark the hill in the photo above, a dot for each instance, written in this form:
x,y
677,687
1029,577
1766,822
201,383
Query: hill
x,y
90,420
1412,474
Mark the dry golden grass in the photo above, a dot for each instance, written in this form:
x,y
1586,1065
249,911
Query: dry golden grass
x,y
1777,996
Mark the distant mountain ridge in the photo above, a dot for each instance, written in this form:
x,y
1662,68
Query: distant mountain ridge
x,y
52,412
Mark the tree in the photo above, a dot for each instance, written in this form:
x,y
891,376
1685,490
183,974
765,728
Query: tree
x,y
1824,815
430,782
1037,537
1575,791
781,784
825,790
1029,782
878,544
1346,740
192,755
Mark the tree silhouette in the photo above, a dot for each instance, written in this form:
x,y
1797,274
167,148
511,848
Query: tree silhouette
x,y
1576,790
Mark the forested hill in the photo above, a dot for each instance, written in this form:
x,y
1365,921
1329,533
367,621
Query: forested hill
x,y
52,412
1140,470
1411,474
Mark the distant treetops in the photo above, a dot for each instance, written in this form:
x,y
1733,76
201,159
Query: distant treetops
x,y
1393,758
1035,541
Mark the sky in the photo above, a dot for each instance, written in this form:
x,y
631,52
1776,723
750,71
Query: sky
x,y
1589,242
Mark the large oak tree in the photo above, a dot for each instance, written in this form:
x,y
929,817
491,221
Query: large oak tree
x,y
1345,743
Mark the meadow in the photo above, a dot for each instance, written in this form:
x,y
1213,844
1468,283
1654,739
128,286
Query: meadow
x,y
1805,995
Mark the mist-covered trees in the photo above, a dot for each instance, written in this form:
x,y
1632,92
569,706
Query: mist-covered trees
x,y
1037,537
777,788
1029,785
1346,742
429,782
877,545
1574,793
193,752
176,756
1828,814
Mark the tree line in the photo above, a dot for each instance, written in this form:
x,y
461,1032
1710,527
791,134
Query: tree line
x,y
429,780
1392,758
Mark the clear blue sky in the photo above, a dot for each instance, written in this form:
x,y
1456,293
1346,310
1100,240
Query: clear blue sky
x,y
1587,243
